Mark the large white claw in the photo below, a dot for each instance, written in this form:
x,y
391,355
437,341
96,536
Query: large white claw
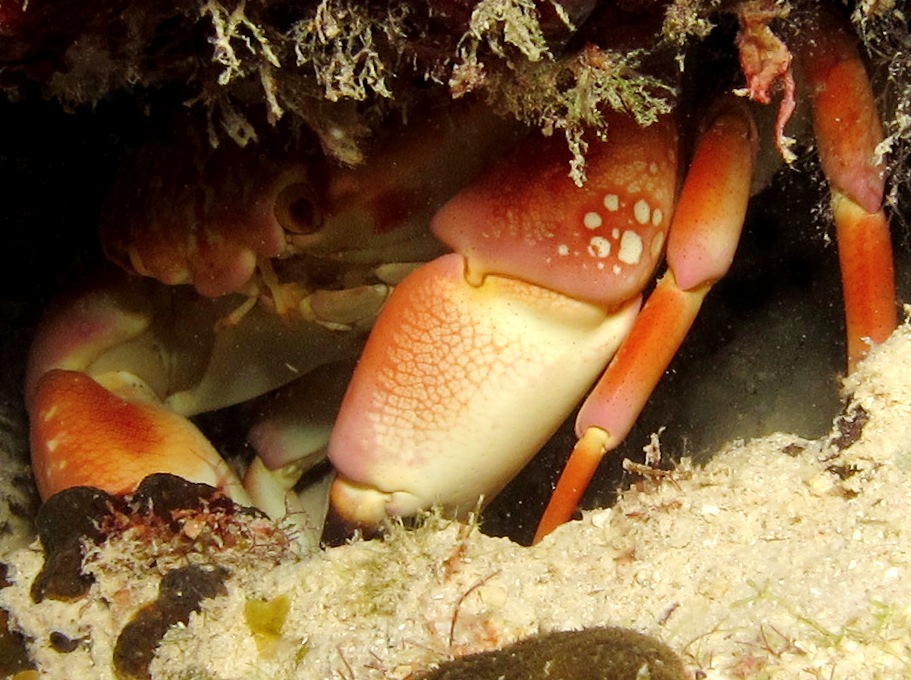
x,y
458,388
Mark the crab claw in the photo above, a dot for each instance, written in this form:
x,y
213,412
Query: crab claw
x,y
93,384
111,382
462,370
84,435
480,355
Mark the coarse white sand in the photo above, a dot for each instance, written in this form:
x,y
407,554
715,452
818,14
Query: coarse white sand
x,y
782,558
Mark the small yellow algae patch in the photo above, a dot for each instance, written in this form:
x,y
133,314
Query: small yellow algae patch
x,y
265,619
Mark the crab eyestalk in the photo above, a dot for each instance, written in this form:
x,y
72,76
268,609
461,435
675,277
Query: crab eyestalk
x,y
182,212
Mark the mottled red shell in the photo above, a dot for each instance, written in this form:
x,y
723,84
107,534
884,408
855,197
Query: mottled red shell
x,y
599,242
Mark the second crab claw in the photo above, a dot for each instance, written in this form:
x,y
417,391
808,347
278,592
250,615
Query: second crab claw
x,y
68,406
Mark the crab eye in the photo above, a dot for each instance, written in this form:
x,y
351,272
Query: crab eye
x,y
297,211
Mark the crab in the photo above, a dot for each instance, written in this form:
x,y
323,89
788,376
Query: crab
x,y
274,272
474,358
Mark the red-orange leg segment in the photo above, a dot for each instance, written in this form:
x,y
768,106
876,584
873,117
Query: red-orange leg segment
x,y
867,274
848,130
704,234
623,391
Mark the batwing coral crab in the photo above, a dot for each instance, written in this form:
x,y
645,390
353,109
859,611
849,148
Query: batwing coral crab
x,y
477,356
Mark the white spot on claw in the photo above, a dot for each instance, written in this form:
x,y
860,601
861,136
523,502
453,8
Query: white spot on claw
x,y
657,216
630,248
657,245
599,246
563,250
642,212
612,202
592,220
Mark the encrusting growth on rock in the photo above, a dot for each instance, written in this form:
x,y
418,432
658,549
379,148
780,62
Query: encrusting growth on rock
x,y
591,654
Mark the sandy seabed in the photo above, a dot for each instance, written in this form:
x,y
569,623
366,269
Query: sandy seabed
x,y
781,558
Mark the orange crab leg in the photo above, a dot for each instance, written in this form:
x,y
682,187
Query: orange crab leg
x,y
625,387
704,234
867,274
848,131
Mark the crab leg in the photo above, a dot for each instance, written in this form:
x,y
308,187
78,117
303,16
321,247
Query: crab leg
x,y
867,274
703,236
848,131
